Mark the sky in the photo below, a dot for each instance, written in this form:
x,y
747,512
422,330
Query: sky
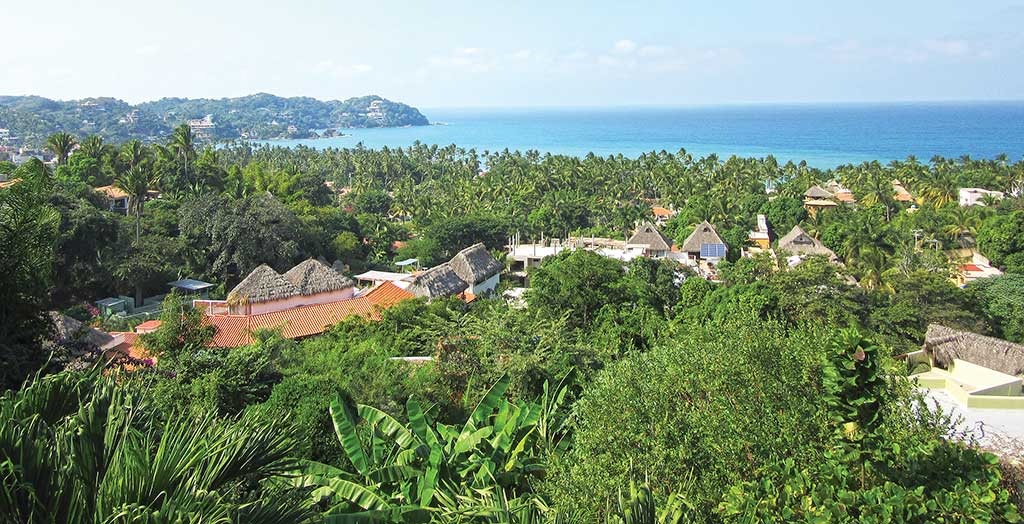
x,y
434,54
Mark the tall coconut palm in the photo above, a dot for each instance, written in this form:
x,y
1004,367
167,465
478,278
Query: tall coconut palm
x,y
93,147
133,154
61,144
183,144
137,182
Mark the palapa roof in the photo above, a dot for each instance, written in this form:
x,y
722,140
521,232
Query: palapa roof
x,y
704,233
817,192
69,329
945,344
262,285
648,235
819,202
312,277
438,281
112,191
797,241
475,264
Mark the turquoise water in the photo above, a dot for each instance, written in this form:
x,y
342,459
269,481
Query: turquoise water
x,y
823,135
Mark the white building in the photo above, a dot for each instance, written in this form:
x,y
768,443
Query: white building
x,y
975,196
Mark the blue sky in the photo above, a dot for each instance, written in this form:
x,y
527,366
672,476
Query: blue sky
x,y
527,53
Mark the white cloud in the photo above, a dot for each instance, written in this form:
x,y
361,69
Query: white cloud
x,y
624,47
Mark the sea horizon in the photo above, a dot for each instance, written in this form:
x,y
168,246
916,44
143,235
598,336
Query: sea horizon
x,y
824,135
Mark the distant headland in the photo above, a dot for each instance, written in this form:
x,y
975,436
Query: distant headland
x,y
30,119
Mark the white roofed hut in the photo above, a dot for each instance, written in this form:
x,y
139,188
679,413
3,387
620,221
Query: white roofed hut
x,y
477,268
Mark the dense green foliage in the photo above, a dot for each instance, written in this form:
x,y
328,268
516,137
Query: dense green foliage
x,y
770,394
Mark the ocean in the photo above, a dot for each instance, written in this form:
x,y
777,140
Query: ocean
x,y
823,135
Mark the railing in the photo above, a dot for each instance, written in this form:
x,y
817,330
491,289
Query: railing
x,y
212,307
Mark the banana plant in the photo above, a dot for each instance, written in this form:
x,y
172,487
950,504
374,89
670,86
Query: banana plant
x,y
406,473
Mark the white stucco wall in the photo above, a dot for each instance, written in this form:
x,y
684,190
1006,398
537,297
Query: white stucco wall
x,y
292,302
487,286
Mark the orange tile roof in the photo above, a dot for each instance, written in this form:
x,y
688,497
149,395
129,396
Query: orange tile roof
x,y
303,321
970,268
148,326
661,211
845,196
131,347
112,191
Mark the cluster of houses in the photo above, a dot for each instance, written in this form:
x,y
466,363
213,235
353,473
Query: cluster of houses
x,y
311,297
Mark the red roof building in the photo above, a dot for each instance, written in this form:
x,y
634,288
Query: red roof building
x,y
304,321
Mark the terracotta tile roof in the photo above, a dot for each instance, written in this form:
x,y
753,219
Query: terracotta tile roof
x,y
659,211
970,268
148,326
303,321
112,191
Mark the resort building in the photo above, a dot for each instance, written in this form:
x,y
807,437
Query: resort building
x,y
118,199
761,236
649,242
309,283
475,266
800,245
817,198
975,196
202,127
438,281
373,278
977,371
840,193
704,244
661,215
900,193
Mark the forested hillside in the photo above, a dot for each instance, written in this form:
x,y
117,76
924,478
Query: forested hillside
x,y
31,119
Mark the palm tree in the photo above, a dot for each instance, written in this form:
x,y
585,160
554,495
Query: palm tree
x,y
183,144
61,144
133,153
964,225
84,449
93,147
137,182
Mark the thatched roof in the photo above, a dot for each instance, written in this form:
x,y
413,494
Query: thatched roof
x,y
312,277
262,285
945,344
475,264
438,281
648,235
817,192
797,241
68,329
704,233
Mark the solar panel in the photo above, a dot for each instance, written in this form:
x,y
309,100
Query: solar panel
x,y
712,250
